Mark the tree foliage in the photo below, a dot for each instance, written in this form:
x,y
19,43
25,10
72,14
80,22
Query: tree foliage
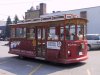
x,y
7,29
16,19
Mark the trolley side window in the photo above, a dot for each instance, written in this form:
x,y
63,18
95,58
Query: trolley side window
x,y
81,31
62,33
31,33
12,32
20,32
39,33
52,34
70,32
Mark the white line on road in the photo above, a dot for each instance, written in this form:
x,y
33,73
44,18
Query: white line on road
x,y
35,69
88,72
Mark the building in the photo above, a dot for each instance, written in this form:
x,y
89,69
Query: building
x,y
2,28
35,13
92,14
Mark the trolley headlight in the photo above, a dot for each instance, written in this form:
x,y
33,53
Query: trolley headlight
x,y
69,53
80,53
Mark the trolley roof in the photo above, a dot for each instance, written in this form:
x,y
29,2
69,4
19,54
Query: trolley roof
x,y
69,19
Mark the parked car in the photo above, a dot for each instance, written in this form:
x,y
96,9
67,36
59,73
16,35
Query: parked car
x,y
93,41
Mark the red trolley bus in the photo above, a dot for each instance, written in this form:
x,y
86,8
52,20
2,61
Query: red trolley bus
x,y
59,38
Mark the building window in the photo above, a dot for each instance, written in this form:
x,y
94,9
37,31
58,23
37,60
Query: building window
x,y
83,14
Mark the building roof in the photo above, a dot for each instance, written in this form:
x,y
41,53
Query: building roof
x,y
66,12
2,23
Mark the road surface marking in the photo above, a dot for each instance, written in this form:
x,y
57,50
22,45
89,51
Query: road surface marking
x,y
35,69
88,72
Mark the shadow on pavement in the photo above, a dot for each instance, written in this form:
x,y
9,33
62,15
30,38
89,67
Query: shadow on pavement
x,y
60,65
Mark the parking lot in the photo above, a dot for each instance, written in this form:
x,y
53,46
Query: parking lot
x,y
12,65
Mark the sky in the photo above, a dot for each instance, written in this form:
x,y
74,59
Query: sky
x,y
19,7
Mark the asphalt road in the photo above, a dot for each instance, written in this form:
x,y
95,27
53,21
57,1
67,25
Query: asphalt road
x,y
12,65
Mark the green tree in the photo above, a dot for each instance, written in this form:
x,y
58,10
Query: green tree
x,y
7,29
16,19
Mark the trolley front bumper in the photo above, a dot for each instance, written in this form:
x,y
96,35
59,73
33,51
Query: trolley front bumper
x,y
74,60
